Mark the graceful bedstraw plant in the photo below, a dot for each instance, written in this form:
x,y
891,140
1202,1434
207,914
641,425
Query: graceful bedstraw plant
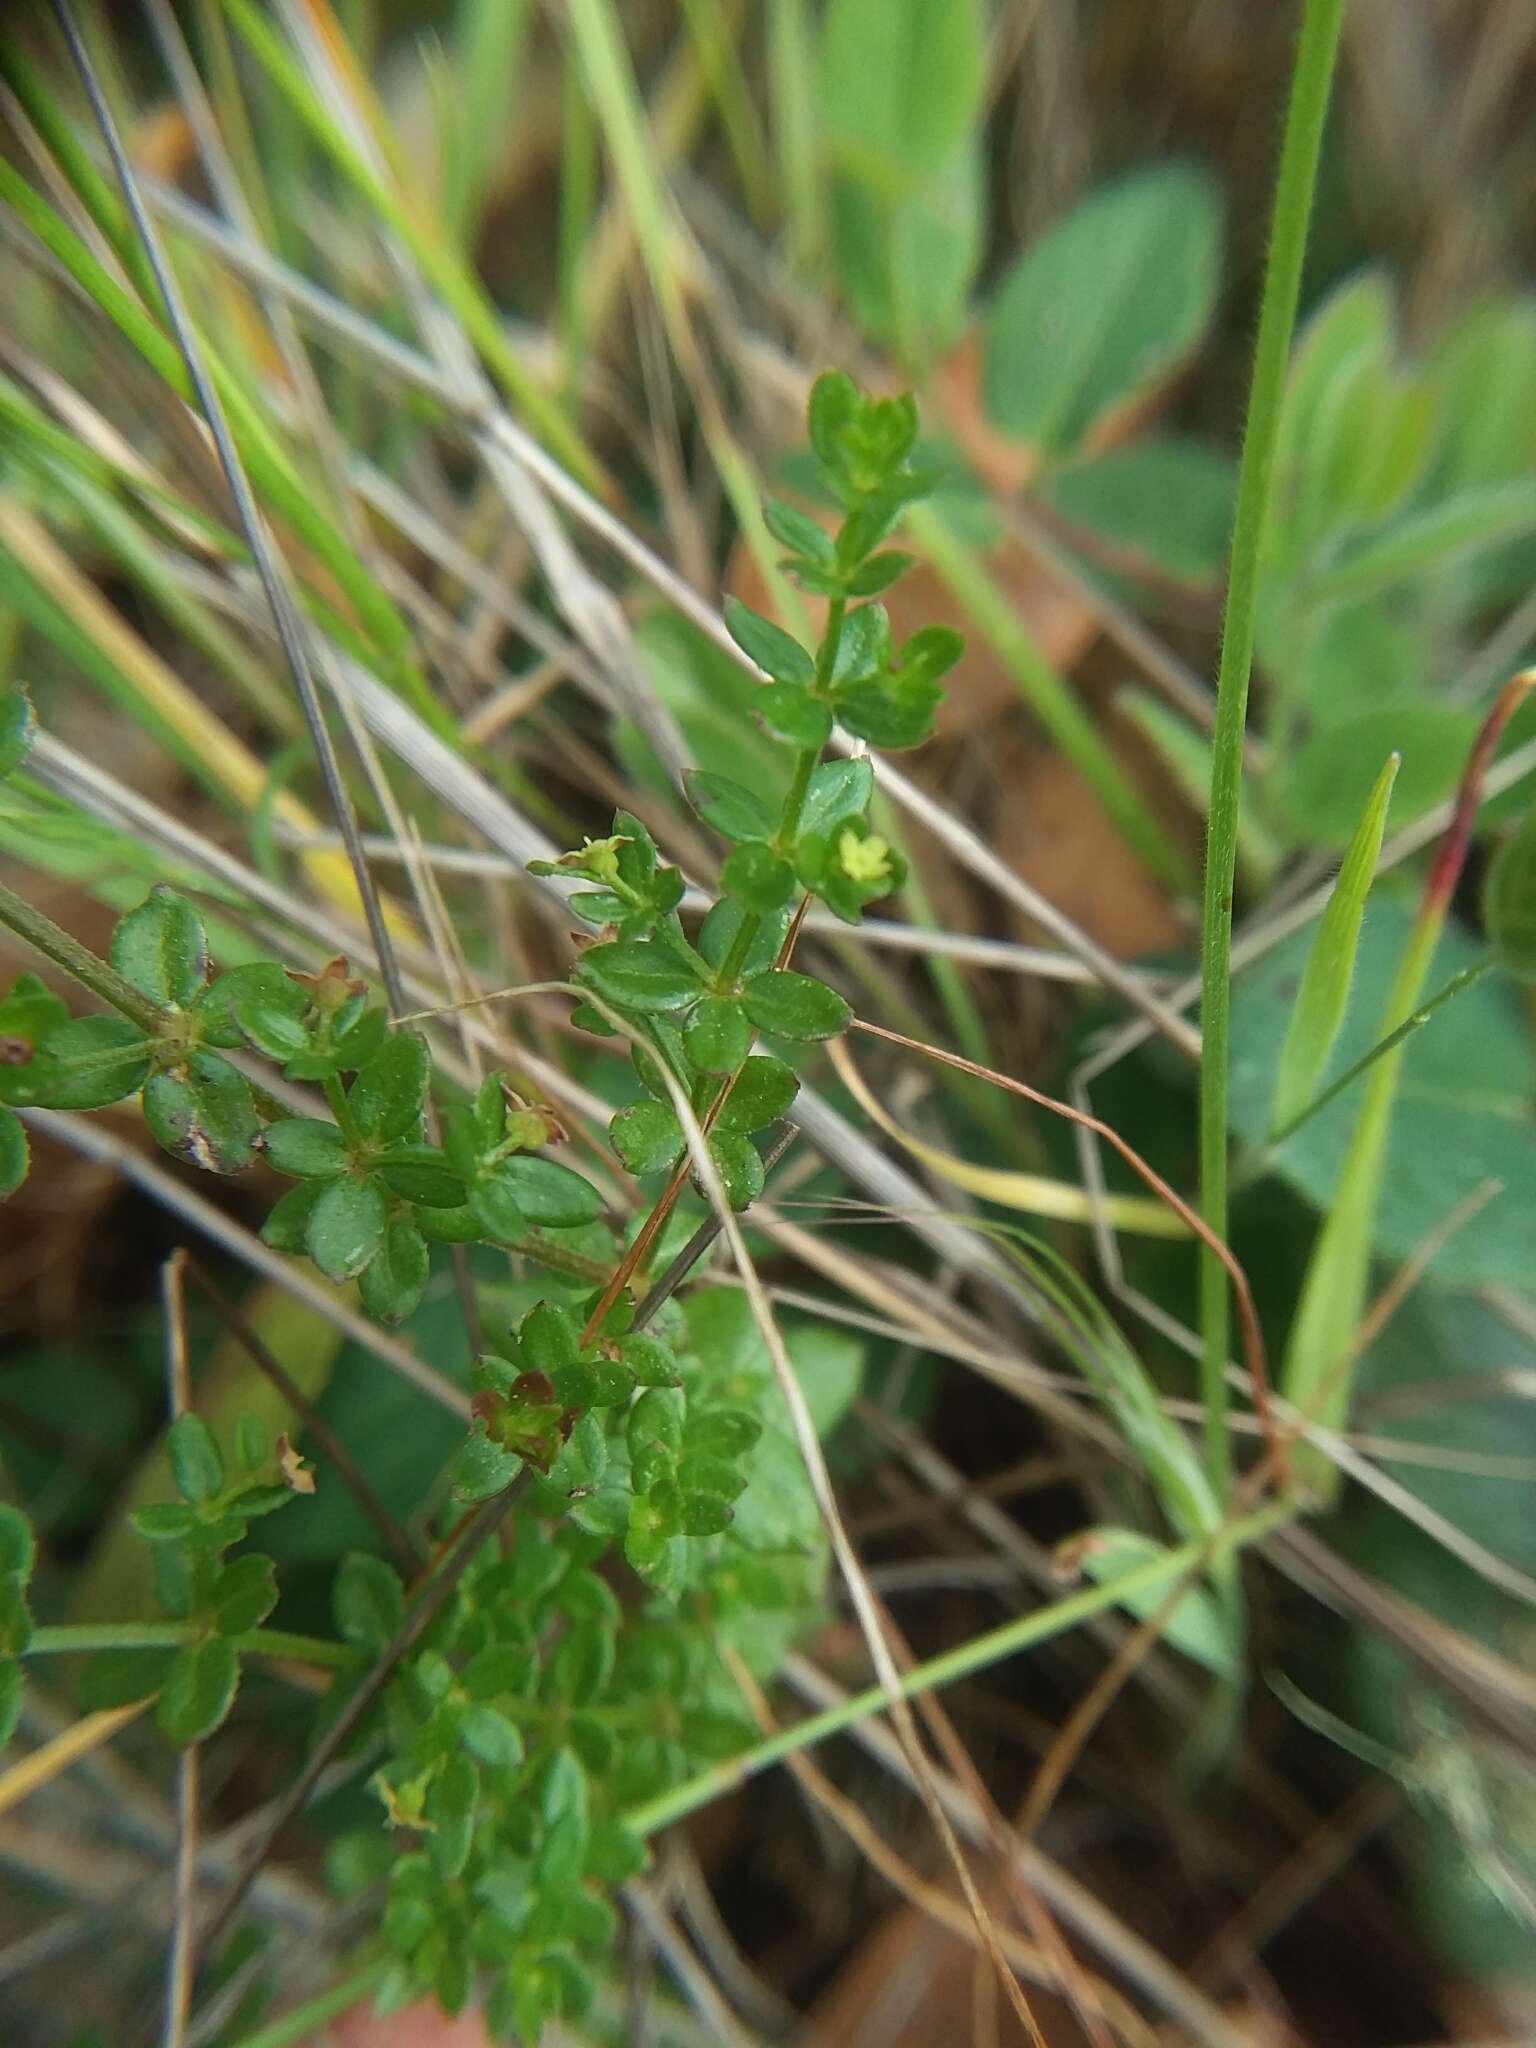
x,y
539,1703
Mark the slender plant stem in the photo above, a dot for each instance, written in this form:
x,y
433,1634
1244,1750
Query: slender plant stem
x,y
1316,54
71,1638
977,1655
55,944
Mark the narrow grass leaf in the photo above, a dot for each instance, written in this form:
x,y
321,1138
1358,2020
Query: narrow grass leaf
x,y
1324,993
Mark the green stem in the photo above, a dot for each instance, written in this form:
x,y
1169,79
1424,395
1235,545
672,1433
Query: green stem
x,y
102,979
977,1655
299,2023
1312,79
74,1638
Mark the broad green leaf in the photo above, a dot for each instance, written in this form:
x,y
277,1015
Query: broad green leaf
x,y
1324,993
308,1147
908,259
1464,1110
788,1005
392,1284
731,810
718,1036
244,1594
764,1090
1104,308
1324,788
198,1690
202,1111
638,975
647,1136
1509,900
838,791
901,85
1198,1625
1430,536
162,949
346,1225
775,651
368,1601
91,1062
14,1155
1161,505
385,1099
757,877
197,1465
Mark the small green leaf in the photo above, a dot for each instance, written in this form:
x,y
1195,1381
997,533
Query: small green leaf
x,y
253,1443
705,1514
287,1226
392,1284
764,1090
117,1678
30,1014
563,1808
420,1173
879,573
91,1062
838,791
723,1432
199,1689
257,1003
718,1036
788,1005
386,1098
549,1193
1324,994
15,1617
1509,900
10,1697
718,934
492,1738
731,810
162,949
638,974
197,1464
306,1146
656,1418
368,1601
801,534
793,714
346,1225
1198,1626
893,711
550,1338
779,656
14,1155
483,1468
652,1362
202,1111
739,1165
244,1594
493,1210
18,1546
757,877
18,726
164,1521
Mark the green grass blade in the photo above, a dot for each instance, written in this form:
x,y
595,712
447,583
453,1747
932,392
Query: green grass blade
x,y
1324,994
489,39
1311,82
797,143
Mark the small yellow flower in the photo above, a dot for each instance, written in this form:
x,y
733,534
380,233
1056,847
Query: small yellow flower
x,y
864,860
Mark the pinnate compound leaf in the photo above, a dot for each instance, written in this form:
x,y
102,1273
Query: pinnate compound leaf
x,y
1509,901
202,1111
162,949
774,651
198,1690
1324,993
789,1005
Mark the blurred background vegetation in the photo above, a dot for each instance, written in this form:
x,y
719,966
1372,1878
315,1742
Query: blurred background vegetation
x,y
649,226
